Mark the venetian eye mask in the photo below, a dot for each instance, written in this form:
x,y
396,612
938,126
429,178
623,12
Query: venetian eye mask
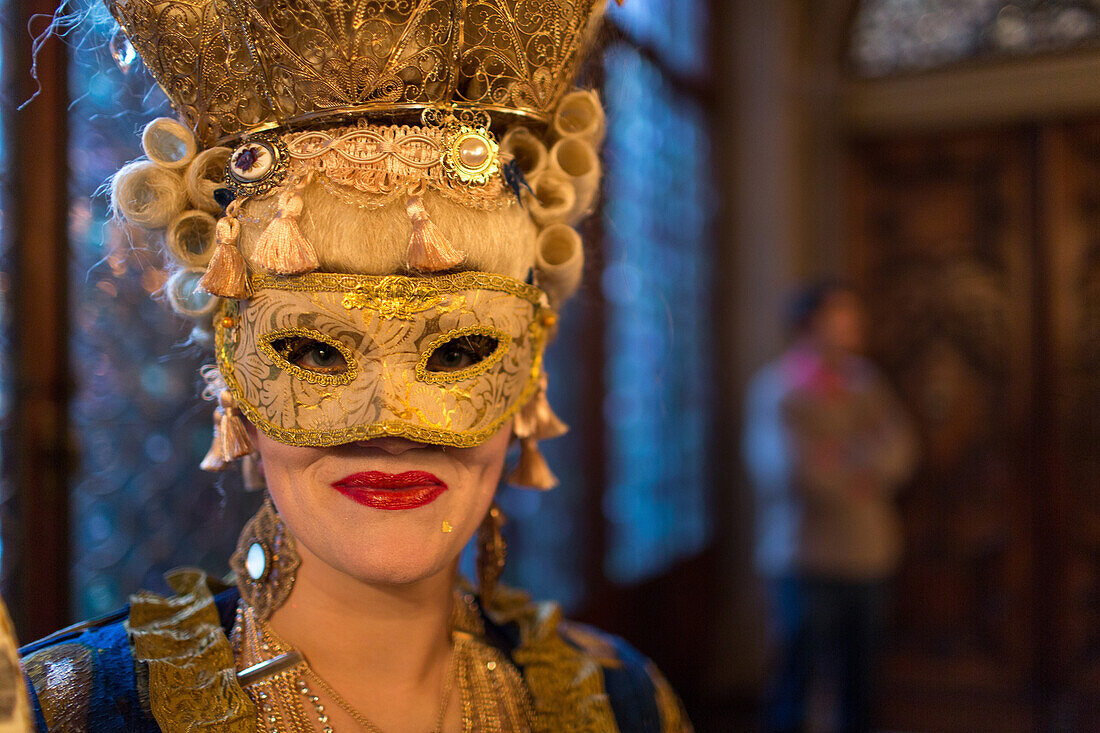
x,y
324,359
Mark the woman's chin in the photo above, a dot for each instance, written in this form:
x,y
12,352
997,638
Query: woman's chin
x,y
396,559
383,574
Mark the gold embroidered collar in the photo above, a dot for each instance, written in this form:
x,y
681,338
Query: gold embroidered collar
x,y
193,674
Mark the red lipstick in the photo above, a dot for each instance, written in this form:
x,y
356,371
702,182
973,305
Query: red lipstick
x,y
380,490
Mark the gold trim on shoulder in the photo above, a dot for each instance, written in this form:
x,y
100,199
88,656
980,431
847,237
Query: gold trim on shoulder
x,y
673,717
566,683
192,673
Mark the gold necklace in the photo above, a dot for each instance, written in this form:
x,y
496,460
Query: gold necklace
x,y
492,693
274,642
351,710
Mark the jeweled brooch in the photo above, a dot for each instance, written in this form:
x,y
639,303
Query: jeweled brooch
x,y
472,155
257,165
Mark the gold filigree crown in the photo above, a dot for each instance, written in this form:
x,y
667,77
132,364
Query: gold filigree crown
x,y
232,67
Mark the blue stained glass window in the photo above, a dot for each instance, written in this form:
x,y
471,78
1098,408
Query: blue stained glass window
x,y
140,505
657,289
908,35
673,29
656,221
547,541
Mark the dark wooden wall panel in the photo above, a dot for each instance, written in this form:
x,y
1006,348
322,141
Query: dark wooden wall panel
x,y
943,247
980,257
1070,177
36,448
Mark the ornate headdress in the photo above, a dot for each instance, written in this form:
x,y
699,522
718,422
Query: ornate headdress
x,y
233,67
378,106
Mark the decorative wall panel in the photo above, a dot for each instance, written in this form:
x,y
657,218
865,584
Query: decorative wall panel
x,y
1069,622
891,36
943,251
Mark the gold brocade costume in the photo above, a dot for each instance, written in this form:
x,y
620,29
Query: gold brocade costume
x,y
492,694
182,653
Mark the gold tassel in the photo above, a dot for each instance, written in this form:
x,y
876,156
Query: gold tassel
x,y
536,419
532,470
429,250
227,273
234,437
213,461
282,248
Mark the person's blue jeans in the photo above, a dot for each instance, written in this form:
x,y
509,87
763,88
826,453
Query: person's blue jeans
x,y
831,629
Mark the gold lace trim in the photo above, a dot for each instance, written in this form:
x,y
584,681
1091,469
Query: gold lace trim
x,y
372,291
192,673
503,342
387,162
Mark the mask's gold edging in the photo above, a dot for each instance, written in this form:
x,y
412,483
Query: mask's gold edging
x,y
264,343
504,342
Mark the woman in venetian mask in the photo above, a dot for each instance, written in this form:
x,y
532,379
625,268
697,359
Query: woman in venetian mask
x,y
382,277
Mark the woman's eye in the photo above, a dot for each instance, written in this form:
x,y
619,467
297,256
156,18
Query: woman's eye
x,y
461,352
311,354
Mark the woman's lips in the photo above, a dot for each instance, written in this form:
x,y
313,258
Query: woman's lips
x,y
380,490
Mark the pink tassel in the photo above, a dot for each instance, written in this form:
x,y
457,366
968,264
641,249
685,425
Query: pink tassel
x,y
532,470
234,437
429,250
213,461
227,273
282,248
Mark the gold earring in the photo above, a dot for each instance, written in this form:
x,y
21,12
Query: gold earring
x,y
491,552
265,561
252,473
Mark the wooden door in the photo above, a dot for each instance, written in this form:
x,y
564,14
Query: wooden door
x,y
943,245
979,254
1069,517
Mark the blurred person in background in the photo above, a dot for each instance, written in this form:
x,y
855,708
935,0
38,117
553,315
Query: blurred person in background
x,y
827,445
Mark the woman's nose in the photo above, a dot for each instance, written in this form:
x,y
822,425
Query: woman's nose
x,y
393,446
